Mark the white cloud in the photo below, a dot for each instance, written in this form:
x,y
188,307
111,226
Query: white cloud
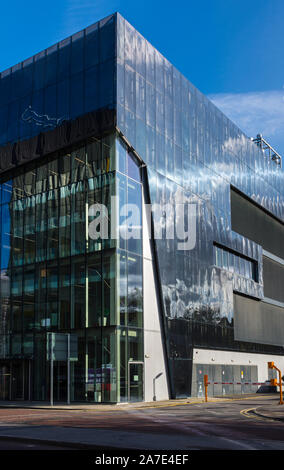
x,y
256,112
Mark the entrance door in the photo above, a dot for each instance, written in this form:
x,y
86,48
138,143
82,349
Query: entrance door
x,y
135,381
15,380
17,374
5,381
60,381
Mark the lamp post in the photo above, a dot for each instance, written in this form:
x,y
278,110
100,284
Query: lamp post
x,y
154,385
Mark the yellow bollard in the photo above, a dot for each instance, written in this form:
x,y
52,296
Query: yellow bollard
x,y
271,365
206,386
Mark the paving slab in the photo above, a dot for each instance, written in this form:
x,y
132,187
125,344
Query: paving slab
x,y
275,412
123,406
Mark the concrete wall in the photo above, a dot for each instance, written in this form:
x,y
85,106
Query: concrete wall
x,y
204,356
154,354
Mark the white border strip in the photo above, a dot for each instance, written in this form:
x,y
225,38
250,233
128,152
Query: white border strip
x,y
272,302
273,257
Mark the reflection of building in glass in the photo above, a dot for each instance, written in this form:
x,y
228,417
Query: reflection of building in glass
x,y
103,114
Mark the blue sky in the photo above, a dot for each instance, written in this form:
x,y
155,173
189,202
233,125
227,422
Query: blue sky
x,y
232,50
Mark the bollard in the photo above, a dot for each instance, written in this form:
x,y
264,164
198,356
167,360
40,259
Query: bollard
x,y
272,366
206,387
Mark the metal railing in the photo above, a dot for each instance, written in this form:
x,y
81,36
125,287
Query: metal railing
x,y
267,149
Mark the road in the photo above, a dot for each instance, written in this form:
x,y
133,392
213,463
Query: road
x,y
223,425
10,445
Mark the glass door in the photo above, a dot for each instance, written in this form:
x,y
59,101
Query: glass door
x,y
18,380
135,381
15,380
60,381
5,381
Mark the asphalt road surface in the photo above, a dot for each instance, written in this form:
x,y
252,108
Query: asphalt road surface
x,y
225,425
10,445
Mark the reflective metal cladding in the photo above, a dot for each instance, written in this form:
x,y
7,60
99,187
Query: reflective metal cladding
x,y
194,153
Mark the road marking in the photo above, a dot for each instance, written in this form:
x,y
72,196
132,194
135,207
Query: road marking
x,y
238,443
249,413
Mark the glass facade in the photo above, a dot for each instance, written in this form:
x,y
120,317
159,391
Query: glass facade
x,y
56,278
69,79
87,123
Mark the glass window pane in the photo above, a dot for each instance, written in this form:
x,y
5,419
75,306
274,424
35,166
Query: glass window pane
x,y
7,189
108,190
219,257
108,153
94,364
78,218
78,294
91,89
52,224
94,197
52,295
109,375
92,46
53,177
121,156
95,290
107,38
242,267
63,109
236,264
134,220
134,286
122,365
225,259
121,192
135,345
133,167
64,294
29,230
94,158
231,262
42,179
17,226
51,65
77,52
64,53
122,287
40,296
77,95
64,222
41,226
109,311
78,164
29,298
64,168
30,183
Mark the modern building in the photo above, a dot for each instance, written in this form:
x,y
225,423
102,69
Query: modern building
x,y
103,120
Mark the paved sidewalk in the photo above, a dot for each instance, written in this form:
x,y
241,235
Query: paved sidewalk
x,y
124,406
275,412
103,406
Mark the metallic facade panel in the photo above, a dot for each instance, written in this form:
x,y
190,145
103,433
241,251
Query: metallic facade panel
x,y
258,322
273,279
